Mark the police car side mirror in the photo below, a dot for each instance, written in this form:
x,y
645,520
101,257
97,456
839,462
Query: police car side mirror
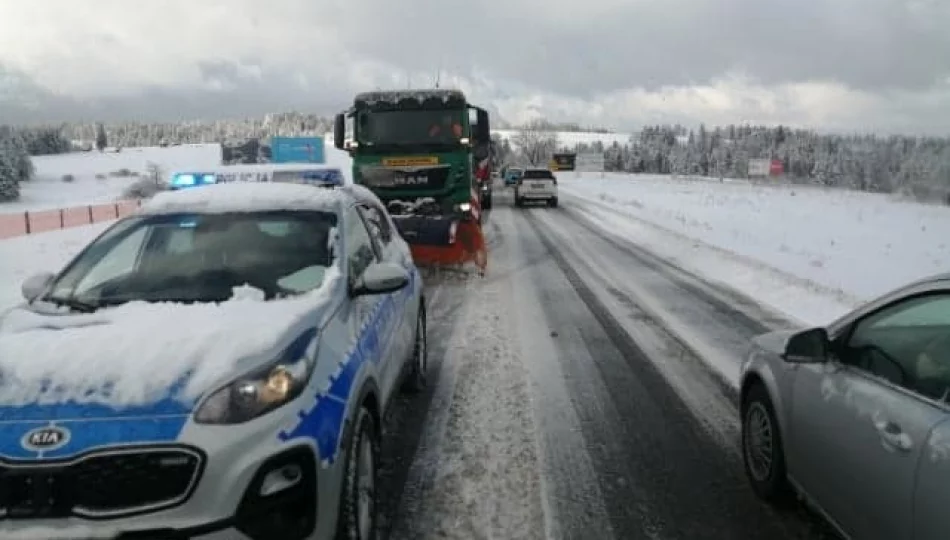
x,y
381,278
35,285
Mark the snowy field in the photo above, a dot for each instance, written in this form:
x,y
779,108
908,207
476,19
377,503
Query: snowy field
x,y
96,176
843,246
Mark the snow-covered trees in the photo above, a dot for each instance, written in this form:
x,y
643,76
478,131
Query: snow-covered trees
x,y
535,143
102,140
15,164
919,166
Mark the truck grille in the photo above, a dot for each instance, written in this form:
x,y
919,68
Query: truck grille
x,y
427,178
101,485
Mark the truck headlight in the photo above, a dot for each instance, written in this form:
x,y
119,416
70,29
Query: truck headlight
x,y
261,390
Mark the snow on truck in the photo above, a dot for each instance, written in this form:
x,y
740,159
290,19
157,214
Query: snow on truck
x,y
426,154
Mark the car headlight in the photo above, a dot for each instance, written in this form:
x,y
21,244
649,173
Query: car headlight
x,y
263,389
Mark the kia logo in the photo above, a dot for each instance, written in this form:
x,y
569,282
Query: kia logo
x,y
45,438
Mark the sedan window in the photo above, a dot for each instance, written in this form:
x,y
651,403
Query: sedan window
x,y
907,343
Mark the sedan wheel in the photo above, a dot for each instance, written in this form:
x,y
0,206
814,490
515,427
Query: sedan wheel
x,y
758,442
762,451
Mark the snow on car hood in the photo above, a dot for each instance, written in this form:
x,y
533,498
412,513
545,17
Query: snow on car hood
x,y
138,355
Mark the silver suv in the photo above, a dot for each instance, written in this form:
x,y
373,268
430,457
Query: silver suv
x,y
214,366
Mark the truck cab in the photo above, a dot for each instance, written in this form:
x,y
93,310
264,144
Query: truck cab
x,y
427,155
417,144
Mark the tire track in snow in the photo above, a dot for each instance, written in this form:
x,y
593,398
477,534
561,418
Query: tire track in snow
x,y
402,429
574,506
476,474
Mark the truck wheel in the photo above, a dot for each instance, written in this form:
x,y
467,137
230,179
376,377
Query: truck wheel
x,y
416,380
486,202
762,452
358,498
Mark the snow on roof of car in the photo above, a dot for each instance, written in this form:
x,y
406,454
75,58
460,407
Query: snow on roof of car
x,y
246,197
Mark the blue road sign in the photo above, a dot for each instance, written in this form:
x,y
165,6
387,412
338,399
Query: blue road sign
x,y
296,150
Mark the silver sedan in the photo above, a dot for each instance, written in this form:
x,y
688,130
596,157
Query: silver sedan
x,y
853,417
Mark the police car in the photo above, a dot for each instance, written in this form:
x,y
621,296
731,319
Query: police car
x,y
216,365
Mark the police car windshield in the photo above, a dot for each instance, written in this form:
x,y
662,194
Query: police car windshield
x,y
200,258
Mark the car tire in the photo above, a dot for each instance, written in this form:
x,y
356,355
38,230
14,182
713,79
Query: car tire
x,y
359,514
416,378
763,455
518,202
552,202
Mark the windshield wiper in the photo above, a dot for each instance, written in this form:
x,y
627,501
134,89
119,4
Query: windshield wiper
x,y
73,303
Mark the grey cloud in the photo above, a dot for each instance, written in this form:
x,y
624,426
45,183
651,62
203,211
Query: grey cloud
x,y
867,44
881,46
31,104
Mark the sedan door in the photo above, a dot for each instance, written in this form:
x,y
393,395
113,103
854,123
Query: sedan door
x,y
860,424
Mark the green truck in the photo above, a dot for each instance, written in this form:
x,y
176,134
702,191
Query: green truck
x,y
427,155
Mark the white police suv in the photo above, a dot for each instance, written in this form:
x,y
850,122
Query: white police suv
x,y
214,366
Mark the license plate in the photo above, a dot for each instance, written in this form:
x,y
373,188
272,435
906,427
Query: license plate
x,y
539,186
33,494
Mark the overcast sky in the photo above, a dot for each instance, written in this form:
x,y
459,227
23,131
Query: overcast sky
x,y
861,65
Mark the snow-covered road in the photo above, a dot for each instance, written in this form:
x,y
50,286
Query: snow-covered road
x,y
583,389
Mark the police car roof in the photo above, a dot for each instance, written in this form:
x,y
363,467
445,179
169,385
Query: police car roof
x,y
247,197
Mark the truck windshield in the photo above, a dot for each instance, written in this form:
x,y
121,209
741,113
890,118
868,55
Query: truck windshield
x,y
411,128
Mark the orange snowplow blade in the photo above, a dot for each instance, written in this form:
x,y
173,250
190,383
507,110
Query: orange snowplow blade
x,y
469,247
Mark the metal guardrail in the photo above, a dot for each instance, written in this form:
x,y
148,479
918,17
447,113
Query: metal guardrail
x,y
33,222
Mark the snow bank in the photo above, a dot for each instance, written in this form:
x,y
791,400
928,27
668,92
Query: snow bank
x,y
47,189
857,243
244,197
134,353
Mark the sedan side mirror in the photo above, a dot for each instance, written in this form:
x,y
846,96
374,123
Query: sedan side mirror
x,y
381,278
35,285
807,347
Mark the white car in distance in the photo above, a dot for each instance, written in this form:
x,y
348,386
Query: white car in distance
x,y
536,185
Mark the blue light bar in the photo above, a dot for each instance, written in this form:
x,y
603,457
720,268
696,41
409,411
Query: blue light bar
x,y
321,177
187,180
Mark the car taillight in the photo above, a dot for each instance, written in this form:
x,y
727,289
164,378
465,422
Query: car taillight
x,y
452,230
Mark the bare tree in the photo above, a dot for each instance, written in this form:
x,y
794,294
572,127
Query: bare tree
x,y
535,142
